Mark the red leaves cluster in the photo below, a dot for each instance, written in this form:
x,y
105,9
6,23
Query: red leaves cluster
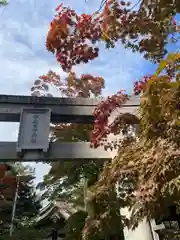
x,y
102,127
139,86
71,86
70,37
41,85
90,84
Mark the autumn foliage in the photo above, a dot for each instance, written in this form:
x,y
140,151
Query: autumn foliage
x,y
145,173
71,86
68,36
102,125
73,38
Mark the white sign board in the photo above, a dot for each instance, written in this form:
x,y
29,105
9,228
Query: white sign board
x,y
34,129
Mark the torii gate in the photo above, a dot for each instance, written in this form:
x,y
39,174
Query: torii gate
x,y
35,115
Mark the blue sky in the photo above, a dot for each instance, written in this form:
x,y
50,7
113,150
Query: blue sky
x,y
23,57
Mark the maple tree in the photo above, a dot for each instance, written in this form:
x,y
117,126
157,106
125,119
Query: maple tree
x,y
144,175
72,37
146,164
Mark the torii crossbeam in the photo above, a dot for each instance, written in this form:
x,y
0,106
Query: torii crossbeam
x,y
35,115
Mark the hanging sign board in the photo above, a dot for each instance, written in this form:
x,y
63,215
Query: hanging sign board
x,y
34,129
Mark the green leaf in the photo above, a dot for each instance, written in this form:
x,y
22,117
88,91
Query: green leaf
x,y
172,57
3,2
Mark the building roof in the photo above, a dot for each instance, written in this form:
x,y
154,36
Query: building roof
x,y
55,211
